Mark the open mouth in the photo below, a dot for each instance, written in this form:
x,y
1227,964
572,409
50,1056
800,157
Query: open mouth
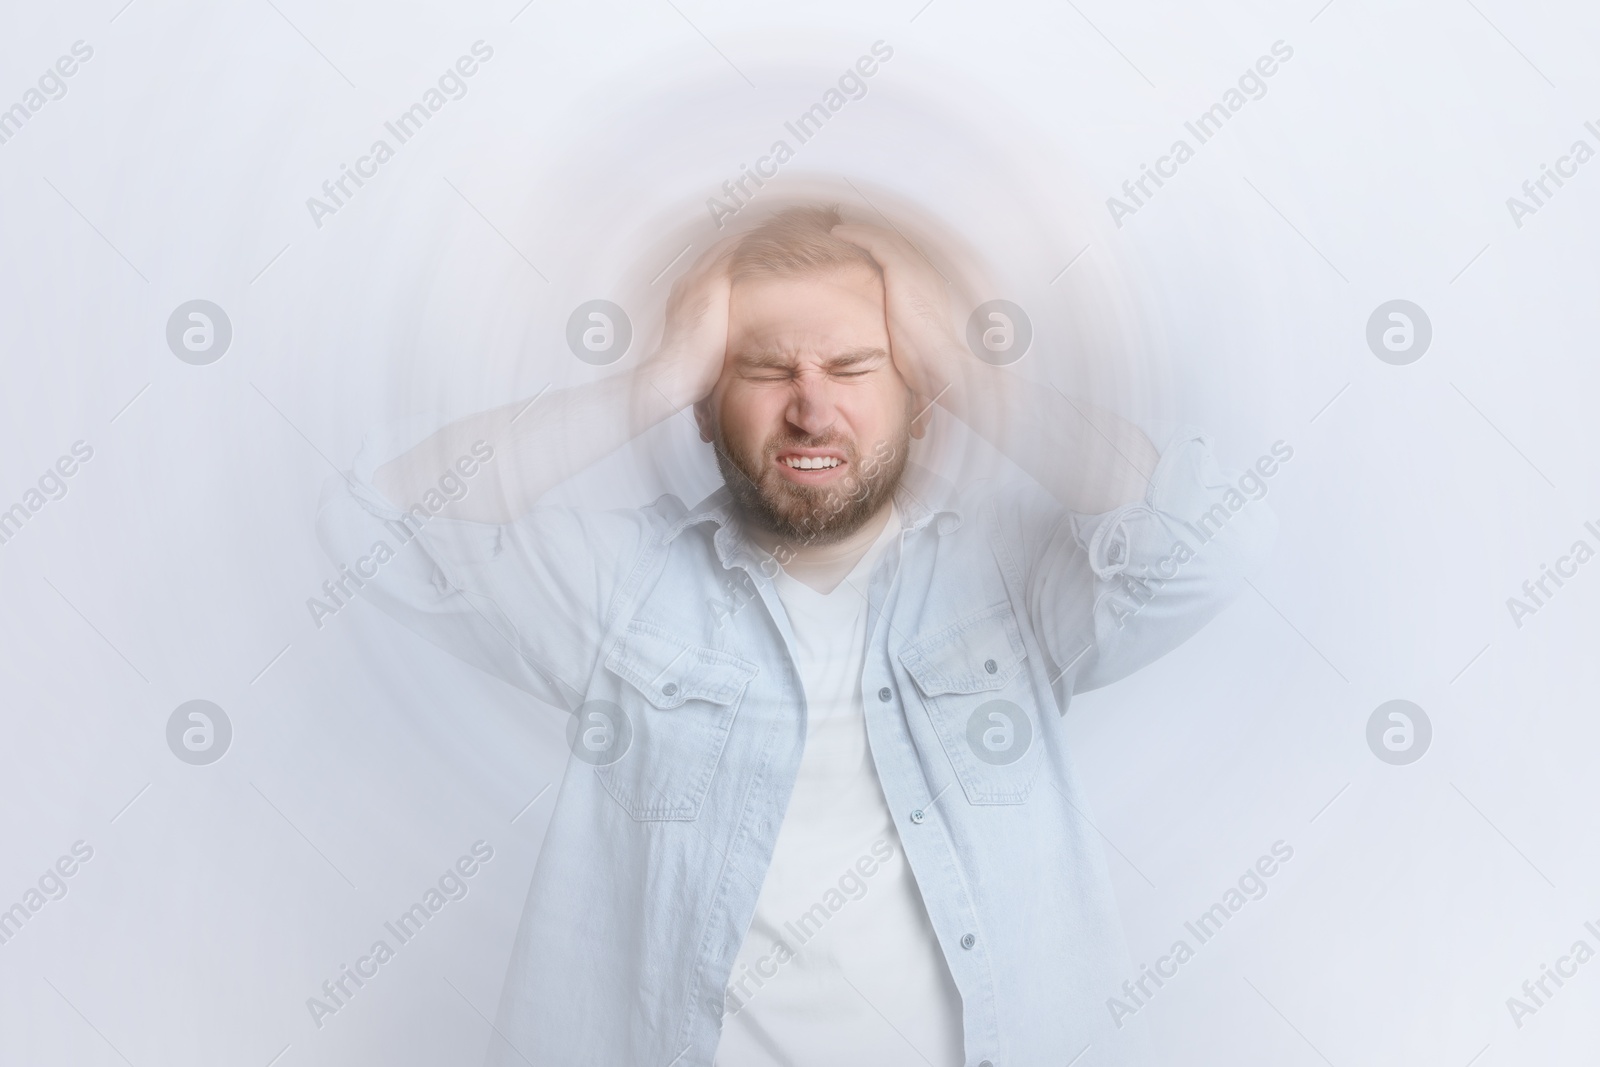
x,y
810,465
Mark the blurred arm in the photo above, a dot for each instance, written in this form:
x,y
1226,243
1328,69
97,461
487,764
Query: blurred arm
x,y
546,440
538,443
1090,460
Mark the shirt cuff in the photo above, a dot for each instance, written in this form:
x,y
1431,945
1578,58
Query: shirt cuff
x,y
1181,488
379,447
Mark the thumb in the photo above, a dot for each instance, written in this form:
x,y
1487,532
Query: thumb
x,y
887,248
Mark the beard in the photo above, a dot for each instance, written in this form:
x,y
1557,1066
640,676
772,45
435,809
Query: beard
x,y
802,515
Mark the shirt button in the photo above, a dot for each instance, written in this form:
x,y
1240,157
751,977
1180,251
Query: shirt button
x,y
917,816
967,940
986,1063
884,694
670,689
990,665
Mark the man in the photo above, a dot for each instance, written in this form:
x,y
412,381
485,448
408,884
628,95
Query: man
x,y
820,809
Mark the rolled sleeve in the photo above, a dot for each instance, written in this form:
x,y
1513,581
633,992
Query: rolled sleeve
x,y
524,600
1111,593
1165,565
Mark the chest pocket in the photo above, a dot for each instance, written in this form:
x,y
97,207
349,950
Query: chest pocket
x,y
679,700
981,702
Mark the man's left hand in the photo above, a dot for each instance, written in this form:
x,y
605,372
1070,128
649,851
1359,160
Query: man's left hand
x,y
922,337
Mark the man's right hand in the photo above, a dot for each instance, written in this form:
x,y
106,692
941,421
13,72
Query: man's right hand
x,y
541,444
695,339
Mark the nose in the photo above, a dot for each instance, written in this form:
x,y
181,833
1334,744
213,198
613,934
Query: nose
x,y
811,407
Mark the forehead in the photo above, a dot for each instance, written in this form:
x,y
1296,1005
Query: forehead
x,y
822,311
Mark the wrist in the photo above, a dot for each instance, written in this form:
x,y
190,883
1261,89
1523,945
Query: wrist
x,y
944,374
663,385
665,378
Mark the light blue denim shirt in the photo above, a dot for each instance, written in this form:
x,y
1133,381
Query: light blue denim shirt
x,y
652,863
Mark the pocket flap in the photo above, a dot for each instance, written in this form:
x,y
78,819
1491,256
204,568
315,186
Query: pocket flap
x,y
667,670
976,655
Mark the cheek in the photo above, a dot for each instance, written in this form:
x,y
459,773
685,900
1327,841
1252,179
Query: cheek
x,y
877,414
748,416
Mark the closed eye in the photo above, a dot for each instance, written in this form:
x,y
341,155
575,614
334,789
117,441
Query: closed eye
x,y
775,367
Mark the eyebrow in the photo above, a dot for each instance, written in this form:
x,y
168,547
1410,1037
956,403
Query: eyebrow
x,y
773,360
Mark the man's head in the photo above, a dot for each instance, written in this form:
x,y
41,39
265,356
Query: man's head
x,y
810,418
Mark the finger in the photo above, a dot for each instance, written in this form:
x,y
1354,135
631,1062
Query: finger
x,y
708,264
706,267
882,245
716,257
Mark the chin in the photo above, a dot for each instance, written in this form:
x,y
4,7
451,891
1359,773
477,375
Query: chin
x,y
800,515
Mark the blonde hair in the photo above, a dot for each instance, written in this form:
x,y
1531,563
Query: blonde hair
x,y
797,240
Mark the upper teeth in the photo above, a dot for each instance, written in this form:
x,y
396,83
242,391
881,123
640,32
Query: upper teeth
x,y
811,463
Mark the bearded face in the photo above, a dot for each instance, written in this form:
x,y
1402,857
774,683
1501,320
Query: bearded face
x,y
800,513
810,418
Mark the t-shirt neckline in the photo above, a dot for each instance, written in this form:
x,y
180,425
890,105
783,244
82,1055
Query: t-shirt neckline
x,y
790,586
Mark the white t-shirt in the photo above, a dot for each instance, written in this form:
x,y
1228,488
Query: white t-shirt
x,y
841,966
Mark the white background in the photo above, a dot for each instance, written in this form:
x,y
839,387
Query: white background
x,y
364,761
